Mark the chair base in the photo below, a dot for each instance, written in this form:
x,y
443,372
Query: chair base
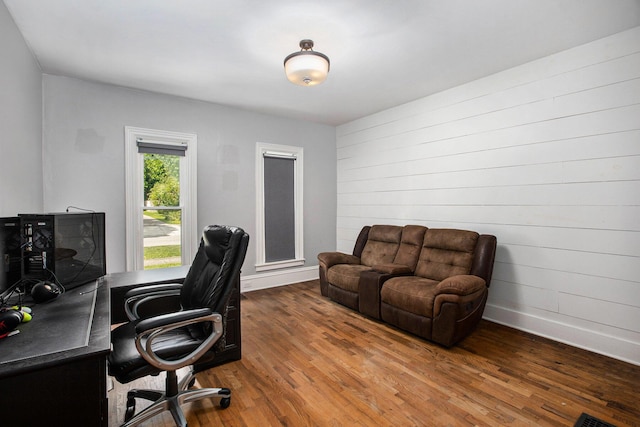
x,y
171,399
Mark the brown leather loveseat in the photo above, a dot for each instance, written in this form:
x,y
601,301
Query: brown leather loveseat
x,y
427,281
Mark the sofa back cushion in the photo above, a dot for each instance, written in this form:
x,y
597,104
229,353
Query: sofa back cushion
x,y
361,241
382,245
445,253
484,257
410,246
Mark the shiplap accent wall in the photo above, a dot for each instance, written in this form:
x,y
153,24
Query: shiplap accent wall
x,y
546,156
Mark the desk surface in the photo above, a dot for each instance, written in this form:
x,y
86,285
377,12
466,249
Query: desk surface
x,y
142,277
120,283
74,325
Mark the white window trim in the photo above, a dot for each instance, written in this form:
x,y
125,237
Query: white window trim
x,y
134,193
284,151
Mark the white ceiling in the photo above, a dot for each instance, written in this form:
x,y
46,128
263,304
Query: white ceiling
x,y
383,52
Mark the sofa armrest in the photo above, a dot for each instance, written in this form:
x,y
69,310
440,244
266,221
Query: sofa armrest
x,y
328,259
463,291
394,269
458,308
463,284
369,287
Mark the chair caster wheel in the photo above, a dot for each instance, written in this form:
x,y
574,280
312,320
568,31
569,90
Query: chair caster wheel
x,y
225,402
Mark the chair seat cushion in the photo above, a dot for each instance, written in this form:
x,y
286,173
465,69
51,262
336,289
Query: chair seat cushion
x,y
126,364
346,276
410,293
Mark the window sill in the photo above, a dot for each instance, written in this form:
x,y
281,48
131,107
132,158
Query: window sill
x,y
279,264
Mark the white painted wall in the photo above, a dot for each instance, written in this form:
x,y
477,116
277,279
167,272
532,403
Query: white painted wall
x,y
20,123
546,156
84,159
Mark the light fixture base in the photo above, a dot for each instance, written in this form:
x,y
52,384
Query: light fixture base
x,y
306,44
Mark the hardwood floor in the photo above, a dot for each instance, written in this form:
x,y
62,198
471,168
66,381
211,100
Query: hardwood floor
x,y
307,361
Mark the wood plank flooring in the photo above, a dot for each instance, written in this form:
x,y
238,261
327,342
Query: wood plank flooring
x,y
307,361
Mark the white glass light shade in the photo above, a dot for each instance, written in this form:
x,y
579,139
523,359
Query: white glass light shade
x,y
306,68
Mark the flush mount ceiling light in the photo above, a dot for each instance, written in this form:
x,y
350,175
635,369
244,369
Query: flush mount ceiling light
x,y
307,67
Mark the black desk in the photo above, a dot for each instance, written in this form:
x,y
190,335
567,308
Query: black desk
x,y
120,283
54,371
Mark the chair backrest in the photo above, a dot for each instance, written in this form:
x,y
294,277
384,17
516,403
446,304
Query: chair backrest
x,y
215,268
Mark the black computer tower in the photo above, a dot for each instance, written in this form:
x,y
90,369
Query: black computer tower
x,y
66,248
10,252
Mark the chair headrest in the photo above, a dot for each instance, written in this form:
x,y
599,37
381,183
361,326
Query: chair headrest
x,y
216,240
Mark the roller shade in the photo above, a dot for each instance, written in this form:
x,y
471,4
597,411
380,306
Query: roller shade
x,y
277,155
279,207
161,147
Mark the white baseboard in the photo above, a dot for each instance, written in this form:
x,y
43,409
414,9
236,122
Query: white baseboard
x,y
607,345
272,279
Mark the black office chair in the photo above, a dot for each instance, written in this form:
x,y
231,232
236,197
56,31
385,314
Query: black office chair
x,y
193,334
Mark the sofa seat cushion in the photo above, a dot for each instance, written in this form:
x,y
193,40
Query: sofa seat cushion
x,y
410,293
346,276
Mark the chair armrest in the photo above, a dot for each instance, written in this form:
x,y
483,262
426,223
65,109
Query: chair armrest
x,y
171,318
148,330
328,259
151,289
462,284
135,298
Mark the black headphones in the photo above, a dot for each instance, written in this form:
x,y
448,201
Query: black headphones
x,y
45,291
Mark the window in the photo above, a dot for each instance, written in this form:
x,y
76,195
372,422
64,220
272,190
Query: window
x,y
160,198
279,239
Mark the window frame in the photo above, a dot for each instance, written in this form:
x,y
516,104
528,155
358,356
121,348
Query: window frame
x,y
134,185
285,151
